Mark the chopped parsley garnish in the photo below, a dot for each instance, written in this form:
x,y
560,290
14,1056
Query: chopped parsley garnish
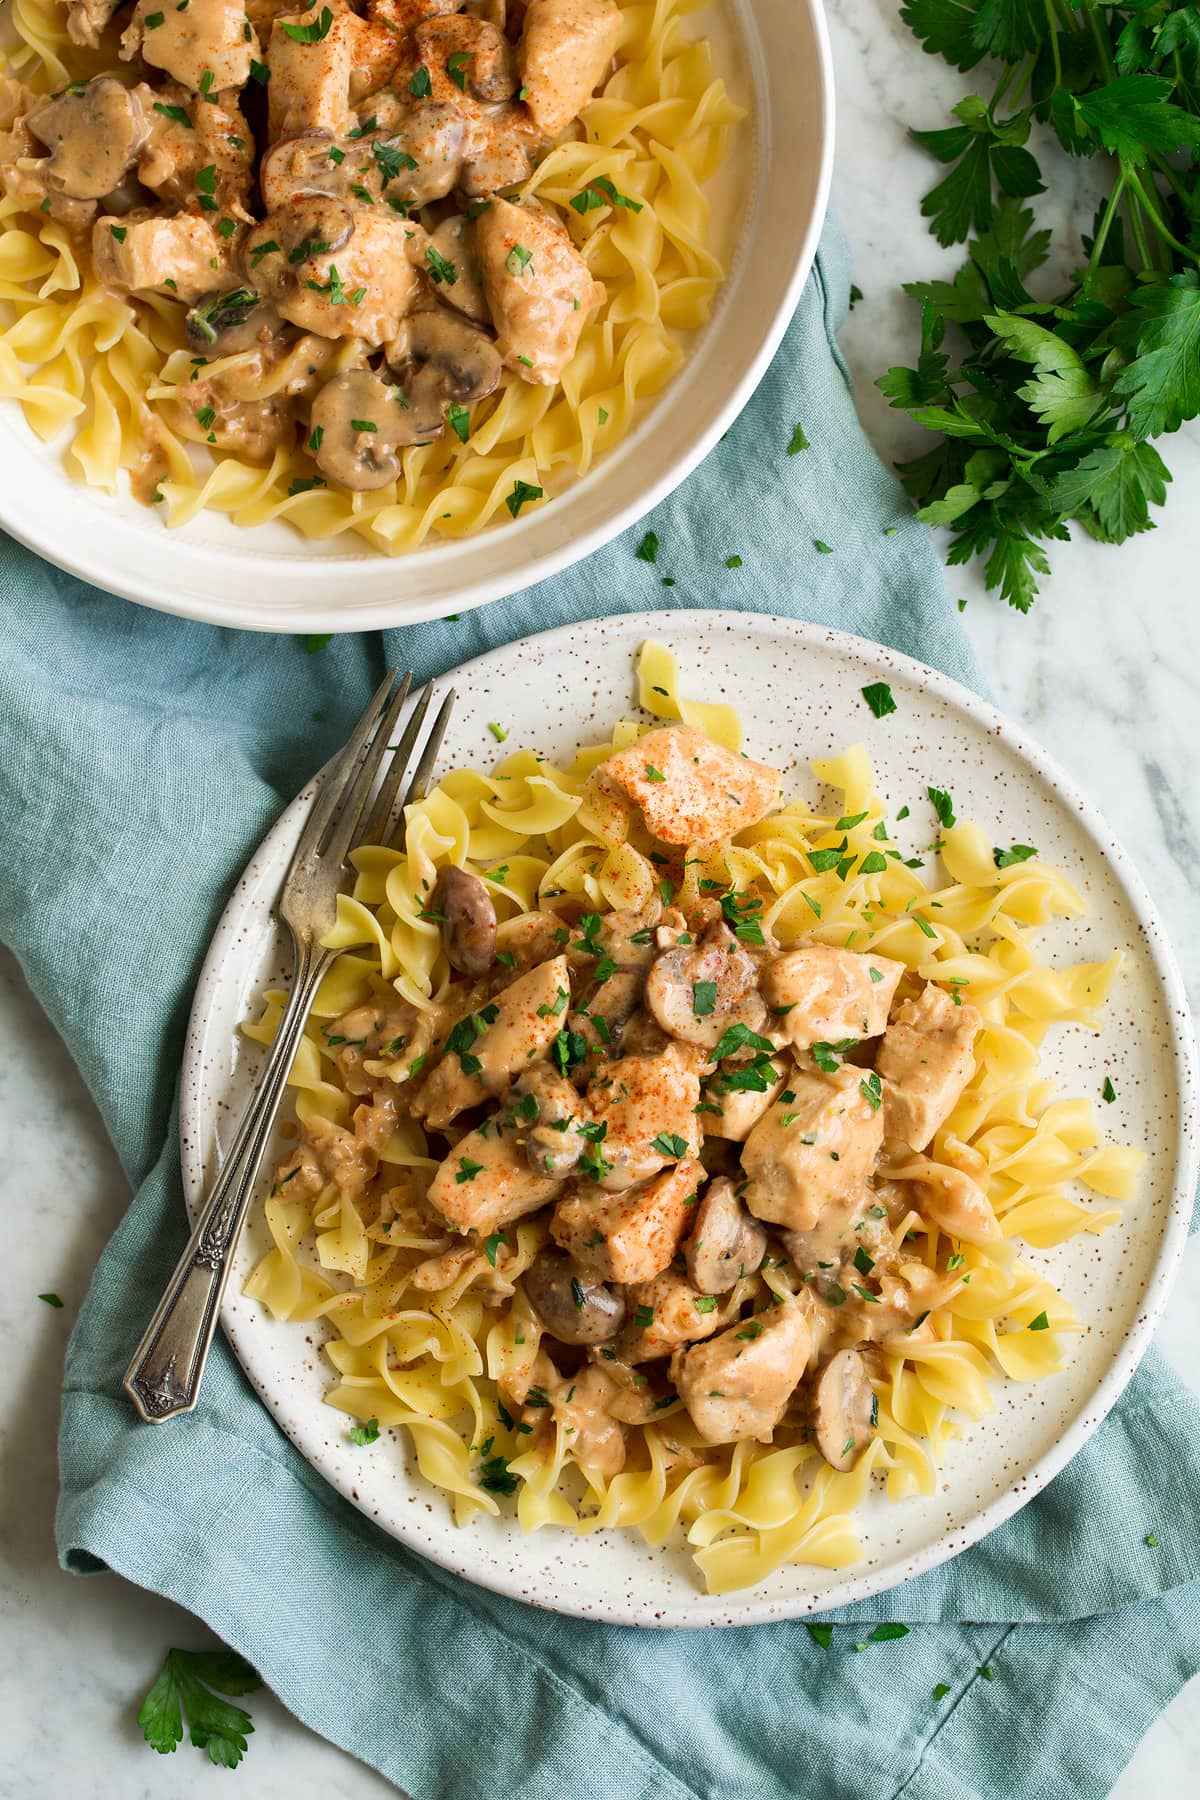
x,y
492,1245
820,1634
365,1434
643,1317
943,806
50,1299
316,437
740,1037
669,1143
204,417
457,64
822,548
871,1090
884,1634
440,269
1041,1323
827,1056
863,1262
653,774
174,113
459,419
1108,1091
601,192
153,21
704,998
705,1303
467,1170
1017,853
647,550
941,1690
421,85
363,425
799,442
522,492
495,1477
518,260
259,72
119,232
878,696
568,1050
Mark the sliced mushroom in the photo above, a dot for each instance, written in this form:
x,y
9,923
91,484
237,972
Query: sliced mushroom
x,y
279,248
549,1111
453,247
696,994
93,136
846,1411
299,165
441,361
574,1307
358,427
234,319
468,920
726,1243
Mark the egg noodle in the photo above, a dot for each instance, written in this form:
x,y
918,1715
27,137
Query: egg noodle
x,y
109,369
429,1363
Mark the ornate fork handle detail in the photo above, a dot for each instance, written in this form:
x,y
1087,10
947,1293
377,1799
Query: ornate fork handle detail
x,y
164,1376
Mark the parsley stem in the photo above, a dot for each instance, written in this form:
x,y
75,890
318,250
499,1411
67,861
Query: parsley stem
x,y
1110,212
1135,182
1054,43
1133,213
1106,62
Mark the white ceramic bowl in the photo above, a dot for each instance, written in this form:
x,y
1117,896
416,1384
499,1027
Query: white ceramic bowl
x,y
798,687
271,579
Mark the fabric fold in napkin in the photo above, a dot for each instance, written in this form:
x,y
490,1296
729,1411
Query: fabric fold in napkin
x,y
143,758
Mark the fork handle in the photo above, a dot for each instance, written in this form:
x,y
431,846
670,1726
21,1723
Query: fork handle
x,y
163,1379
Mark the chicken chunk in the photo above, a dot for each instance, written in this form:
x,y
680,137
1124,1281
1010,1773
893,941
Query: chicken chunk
x,y
595,1438
470,49
187,135
646,1105
811,1149
738,1386
726,1243
144,254
566,49
207,47
355,280
689,789
485,1183
663,1314
86,20
539,289
329,1153
309,88
823,995
740,1108
697,993
631,1235
484,1052
925,1062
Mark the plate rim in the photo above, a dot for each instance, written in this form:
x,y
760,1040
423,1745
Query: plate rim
x,y
750,1606
563,549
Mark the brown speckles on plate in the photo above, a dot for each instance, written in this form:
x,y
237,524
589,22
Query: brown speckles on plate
x,y
798,689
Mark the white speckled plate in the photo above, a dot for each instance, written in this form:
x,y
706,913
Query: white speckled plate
x,y
798,687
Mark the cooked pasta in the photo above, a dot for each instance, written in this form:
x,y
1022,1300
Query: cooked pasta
x,y
513,377
521,1227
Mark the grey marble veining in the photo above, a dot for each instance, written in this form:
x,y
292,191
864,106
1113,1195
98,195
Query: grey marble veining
x,y
1103,672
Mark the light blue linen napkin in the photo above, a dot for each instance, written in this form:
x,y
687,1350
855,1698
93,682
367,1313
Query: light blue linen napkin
x,y
142,760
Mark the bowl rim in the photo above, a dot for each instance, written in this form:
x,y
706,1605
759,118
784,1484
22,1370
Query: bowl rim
x,y
750,1606
147,581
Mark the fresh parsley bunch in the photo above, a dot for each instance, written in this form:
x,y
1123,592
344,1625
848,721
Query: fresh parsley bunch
x,y
1048,414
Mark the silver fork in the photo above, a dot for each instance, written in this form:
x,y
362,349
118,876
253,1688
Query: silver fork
x,y
164,1376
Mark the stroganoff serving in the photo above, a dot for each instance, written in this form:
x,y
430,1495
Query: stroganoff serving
x,y
354,252
644,1166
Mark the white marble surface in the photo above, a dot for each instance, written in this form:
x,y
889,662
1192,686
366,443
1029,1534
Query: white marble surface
x,y
1103,672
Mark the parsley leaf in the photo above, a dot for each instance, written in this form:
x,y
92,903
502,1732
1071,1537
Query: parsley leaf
x,y
191,1683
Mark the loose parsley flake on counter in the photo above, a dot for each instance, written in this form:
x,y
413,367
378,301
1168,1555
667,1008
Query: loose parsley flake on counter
x,y
647,550
798,442
878,696
185,1685
50,1299
822,548
315,641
